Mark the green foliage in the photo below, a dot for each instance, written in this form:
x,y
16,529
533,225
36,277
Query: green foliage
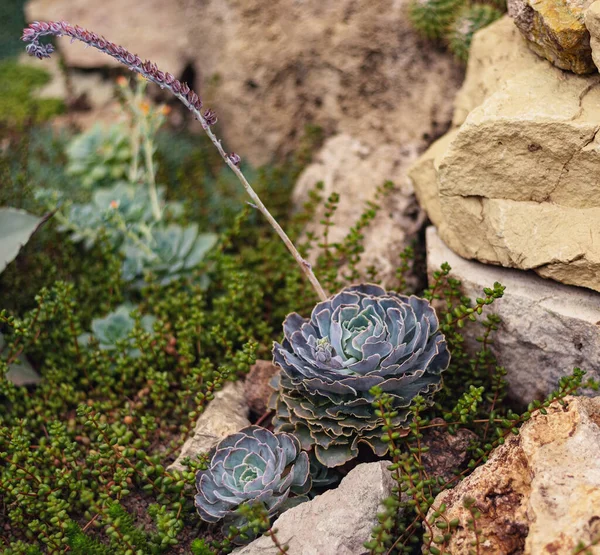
x,y
433,18
467,23
18,105
453,22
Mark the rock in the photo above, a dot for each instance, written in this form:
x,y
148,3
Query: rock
x,y
592,22
539,493
336,522
446,452
256,386
555,30
355,68
516,184
489,67
547,328
150,28
355,170
226,414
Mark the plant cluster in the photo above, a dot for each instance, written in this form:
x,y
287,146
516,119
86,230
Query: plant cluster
x,y
126,366
453,22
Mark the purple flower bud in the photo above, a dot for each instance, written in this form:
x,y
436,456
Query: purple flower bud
x,y
235,159
210,116
185,89
169,78
176,86
159,76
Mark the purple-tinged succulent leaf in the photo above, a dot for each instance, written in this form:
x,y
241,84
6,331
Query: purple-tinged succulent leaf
x,y
362,337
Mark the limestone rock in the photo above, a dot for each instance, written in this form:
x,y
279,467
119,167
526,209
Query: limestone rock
x,y
539,493
592,22
336,522
547,328
555,30
517,184
256,386
355,170
226,414
489,65
355,68
151,28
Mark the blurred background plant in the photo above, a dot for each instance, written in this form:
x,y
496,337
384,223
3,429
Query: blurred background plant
x,y
453,22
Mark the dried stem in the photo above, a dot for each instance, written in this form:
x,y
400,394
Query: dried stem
x,y
182,91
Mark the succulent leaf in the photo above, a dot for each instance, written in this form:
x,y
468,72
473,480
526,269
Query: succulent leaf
x,y
115,329
360,338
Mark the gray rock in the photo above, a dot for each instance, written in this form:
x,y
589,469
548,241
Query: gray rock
x,y
547,328
337,522
226,414
358,68
355,170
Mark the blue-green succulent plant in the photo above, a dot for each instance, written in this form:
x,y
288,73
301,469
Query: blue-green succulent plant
x,y
360,338
114,330
100,156
250,467
170,252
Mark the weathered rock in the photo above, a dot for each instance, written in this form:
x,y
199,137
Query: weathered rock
x,y
256,386
445,452
356,68
226,414
516,184
592,22
539,493
490,66
547,328
555,30
150,28
336,522
355,170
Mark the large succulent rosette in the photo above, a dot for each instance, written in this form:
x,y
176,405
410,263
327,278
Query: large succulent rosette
x,y
252,466
360,338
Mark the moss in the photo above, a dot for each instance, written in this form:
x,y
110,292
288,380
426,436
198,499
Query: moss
x,y
18,104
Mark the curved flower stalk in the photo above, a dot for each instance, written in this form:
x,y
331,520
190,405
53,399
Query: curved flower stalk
x,y
360,338
249,467
182,91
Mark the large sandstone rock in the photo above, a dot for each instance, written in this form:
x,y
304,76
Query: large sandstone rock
x,y
547,328
592,22
151,28
226,414
517,184
355,68
336,522
354,169
555,30
539,493
489,66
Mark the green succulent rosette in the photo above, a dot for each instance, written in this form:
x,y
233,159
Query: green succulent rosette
x,y
360,338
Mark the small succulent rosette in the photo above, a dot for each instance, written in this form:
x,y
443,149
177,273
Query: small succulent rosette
x,y
360,338
252,466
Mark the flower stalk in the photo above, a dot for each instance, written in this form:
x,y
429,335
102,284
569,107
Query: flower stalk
x,y
181,91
